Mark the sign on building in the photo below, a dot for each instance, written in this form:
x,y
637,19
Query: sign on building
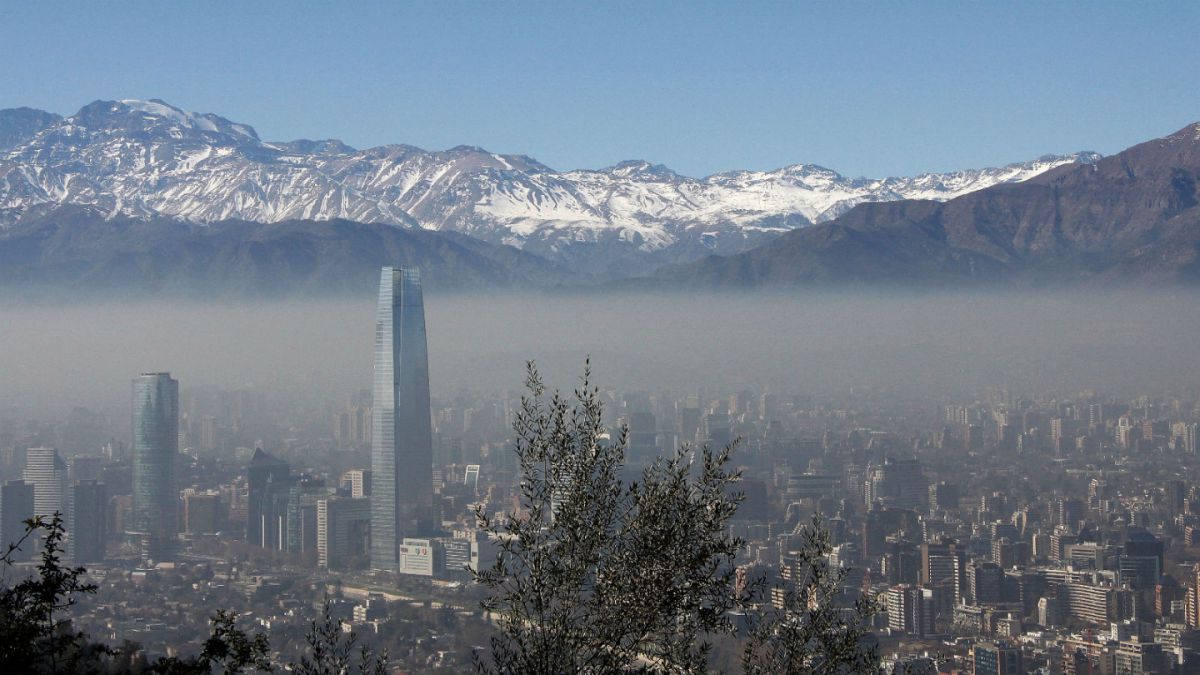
x,y
416,557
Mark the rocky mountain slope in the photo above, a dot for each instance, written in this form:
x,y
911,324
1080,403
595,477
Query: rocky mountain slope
x,y
1132,216
78,251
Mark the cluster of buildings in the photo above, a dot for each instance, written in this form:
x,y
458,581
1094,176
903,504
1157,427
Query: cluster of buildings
x,y
1039,534
1004,535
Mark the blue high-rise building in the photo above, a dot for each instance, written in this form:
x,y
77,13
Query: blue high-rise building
x,y
16,506
402,442
270,484
155,452
86,527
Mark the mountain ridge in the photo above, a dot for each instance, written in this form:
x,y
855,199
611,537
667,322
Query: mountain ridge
x,y
1132,216
78,250
148,159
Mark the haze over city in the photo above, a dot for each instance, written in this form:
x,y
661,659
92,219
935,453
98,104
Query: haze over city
x,y
822,343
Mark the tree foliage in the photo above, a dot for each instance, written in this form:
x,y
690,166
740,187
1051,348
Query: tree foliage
x,y
811,633
333,651
34,635
599,575
228,649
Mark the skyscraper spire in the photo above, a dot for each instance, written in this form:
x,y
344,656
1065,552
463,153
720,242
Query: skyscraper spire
x,y
402,442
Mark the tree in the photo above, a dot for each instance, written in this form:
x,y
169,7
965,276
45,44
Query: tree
x,y
33,636
595,574
811,633
331,651
228,648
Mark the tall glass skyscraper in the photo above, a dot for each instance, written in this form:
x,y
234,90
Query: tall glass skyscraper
x,y
402,442
16,506
155,448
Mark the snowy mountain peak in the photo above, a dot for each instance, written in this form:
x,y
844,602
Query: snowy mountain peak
x,y
304,146
147,158
809,170
156,116
641,169
18,125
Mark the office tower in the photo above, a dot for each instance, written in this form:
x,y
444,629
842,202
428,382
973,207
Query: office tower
x,y
910,609
643,439
458,558
155,449
360,424
341,429
901,562
943,496
421,557
202,512
689,424
1095,604
1140,567
357,482
768,406
343,532
973,436
208,433
85,467
401,438
1141,543
16,506
270,490
352,426
301,514
984,583
718,429
1126,433
1009,552
1048,612
943,571
1138,572
1068,513
471,479
899,483
86,531
47,473
1062,432
996,659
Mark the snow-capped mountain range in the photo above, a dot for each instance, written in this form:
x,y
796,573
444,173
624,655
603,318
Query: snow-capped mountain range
x,y
148,158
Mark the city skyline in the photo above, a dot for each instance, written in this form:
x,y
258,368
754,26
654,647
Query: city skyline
x,y
762,338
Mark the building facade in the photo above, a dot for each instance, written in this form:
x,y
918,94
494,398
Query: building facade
x,y
343,532
16,506
402,440
86,527
47,473
155,453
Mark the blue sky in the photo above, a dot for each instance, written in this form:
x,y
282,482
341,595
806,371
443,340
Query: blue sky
x,y
874,89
